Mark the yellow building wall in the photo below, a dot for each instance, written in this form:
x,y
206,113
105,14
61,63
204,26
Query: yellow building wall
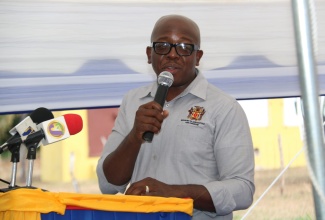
x,y
56,158
268,139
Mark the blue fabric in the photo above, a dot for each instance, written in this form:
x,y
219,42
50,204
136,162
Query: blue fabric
x,y
104,215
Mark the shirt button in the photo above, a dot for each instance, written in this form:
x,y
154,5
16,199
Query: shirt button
x,y
167,105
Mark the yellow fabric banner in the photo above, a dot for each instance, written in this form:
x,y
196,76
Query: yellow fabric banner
x,y
27,204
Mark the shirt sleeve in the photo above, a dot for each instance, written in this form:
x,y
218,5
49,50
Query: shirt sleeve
x,y
104,186
234,155
115,138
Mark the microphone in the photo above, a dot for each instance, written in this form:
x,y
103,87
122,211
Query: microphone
x,y
19,132
56,129
165,80
51,131
27,126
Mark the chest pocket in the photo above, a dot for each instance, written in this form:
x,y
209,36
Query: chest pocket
x,y
194,142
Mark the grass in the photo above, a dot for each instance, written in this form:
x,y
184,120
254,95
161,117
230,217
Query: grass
x,y
294,203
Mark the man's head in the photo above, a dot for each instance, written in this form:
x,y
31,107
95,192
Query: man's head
x,y
182,36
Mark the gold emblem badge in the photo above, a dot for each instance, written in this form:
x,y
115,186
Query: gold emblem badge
x,y
196,113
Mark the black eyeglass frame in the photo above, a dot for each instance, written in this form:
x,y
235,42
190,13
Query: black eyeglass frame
x,y
194,48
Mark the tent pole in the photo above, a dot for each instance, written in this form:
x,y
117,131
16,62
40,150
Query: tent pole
x,y
309,91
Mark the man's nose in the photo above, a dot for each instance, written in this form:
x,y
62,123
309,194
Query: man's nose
x,y
173,52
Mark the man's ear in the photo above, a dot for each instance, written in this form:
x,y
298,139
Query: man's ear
x,y
199,55
148,51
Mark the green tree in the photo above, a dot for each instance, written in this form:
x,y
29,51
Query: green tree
x,y
6,123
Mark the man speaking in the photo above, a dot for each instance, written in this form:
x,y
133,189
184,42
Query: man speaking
x,y
201,147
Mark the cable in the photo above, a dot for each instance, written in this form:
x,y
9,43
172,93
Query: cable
x,y
4,181
271,185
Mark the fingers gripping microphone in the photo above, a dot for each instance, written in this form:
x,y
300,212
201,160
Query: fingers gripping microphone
x,y
165,80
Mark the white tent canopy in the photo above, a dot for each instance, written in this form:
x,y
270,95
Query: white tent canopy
x,y
88,54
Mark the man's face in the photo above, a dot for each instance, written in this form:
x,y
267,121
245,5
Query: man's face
x,y
182,67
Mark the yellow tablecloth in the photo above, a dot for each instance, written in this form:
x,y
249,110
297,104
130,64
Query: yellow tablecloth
x,y
27,204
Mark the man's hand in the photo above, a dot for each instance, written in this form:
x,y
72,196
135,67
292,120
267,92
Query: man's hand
x,y
150,187
149,117
119,165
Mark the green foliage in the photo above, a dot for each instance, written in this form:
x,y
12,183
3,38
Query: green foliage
x,y
6,123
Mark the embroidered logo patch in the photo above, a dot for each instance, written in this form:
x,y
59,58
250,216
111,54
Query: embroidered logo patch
x,y
196,113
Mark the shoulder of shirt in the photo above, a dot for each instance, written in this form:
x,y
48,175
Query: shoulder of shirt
x,y
214,91
221,100
217,94
141,92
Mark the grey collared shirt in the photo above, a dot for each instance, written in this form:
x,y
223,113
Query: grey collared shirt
x,y
204,140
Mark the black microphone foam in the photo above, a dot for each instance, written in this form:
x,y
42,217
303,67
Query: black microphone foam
x,y
40,115
165,80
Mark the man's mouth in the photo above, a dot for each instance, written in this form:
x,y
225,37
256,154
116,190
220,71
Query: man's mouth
x,y
171,68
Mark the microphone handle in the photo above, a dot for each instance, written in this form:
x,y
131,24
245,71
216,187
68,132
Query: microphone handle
x,y
160,98
147,136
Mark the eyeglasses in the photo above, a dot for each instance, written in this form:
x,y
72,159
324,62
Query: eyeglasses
x,y
182,49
